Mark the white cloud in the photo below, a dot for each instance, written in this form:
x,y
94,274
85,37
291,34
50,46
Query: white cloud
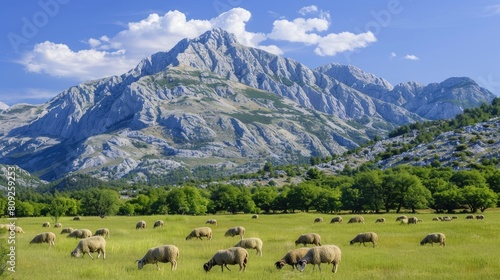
x,y
308,9
299,30
411,57
112,55
393,55
333,43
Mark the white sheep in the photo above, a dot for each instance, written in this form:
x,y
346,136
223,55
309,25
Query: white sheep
x,y
251,243
434,238
104,232
58,225
292,257
412,220
200,232
15,229
46,224
45,237
163,254
321,254
402,217
318,220
140,225
212,222
77,218
380,220
90,245
480,217
357,219
67,230
80,233
234,255
235,231
255,216
361,238
309,238
469,217
159,223
337,219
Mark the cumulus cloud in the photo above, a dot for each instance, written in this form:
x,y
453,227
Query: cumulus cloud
x,y
411,57
121,52
308,9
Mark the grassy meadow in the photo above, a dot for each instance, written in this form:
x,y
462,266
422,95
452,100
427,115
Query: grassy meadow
x,y
471,252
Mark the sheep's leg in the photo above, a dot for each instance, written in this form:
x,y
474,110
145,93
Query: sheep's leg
x,y
319,267
334,269
173,266
227,267
157,266
88,253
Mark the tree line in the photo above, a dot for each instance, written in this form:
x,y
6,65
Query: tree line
x,y
398,189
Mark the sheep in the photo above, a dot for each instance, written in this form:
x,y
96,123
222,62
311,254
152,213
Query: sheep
x,y
412,220
420,221
479,217
90,245
45,237
77,218
361,238
435,219
212,222
434,238
292,257
163,254
309,238
469,217
15,229
200,232
321,254
46,224
380,220
357,219
104,232
235,231
58,225
234,255
251,243
337,219
140,225
80,233
318,220
255,216
158,223
402,217
67,230
446,219
454,217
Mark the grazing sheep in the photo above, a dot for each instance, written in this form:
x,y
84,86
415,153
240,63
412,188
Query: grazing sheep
x,y
292,257
67,230
469,217
80,233
420,221
235,231
200,232
480,217
212,222
158,223
321,254
337,219
58,225
454,217
446,219
402,217
412,220
404,221
77,218
5,226
234,255
380,220
435,219
434,238
251,243
318,220
309,238
45,237
46,224
104,232
13,228
365,237
255,216
163,254
90,245
140,225
357,219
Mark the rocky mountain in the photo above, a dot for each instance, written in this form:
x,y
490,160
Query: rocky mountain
x,y
3,106
211,101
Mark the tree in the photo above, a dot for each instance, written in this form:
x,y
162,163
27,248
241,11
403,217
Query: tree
x,y
370,189
60,206
264,197
328,200
464,178
100,202
448,199
302,196
477,198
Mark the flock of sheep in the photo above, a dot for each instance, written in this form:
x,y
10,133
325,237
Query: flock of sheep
x,y
296,258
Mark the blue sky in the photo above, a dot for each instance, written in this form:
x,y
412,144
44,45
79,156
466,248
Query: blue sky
x,y
47,46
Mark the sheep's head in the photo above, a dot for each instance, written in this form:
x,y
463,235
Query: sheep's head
x,y
352,242
189,237
423,242
76,253
140,263
280,264
207,267
301,265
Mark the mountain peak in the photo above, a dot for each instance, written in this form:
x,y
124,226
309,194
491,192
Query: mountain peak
x,y
3,106
217,35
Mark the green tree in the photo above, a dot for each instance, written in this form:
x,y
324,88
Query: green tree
x,y
60,206
477,198
447,200
302,196
464,178
100,202
370,189
24,209
264,197
328,200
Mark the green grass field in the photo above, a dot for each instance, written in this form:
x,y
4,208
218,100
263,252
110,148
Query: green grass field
x,y
472,250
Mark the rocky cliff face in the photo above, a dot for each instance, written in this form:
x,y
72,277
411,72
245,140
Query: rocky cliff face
x,y
212,101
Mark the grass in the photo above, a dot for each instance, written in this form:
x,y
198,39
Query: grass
x,y
471,251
